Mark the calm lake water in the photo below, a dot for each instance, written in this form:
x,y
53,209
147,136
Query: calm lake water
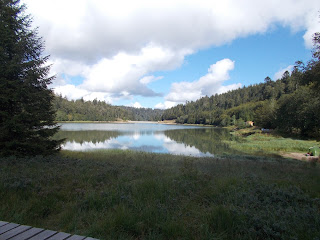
x,y
148,137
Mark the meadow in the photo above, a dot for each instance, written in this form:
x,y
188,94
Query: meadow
x,y
115,194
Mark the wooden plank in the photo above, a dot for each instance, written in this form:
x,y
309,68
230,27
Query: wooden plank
x,y
14,232
3,223
8,227
75,237
43,235
59,236
27,234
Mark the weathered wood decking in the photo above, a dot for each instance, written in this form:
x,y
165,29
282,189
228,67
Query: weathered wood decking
x,y
15,231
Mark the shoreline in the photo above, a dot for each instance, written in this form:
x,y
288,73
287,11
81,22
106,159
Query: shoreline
x,y
299,156
124,122
166,122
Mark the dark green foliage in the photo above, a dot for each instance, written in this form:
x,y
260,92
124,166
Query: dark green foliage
x,y
219,109
265,114
95,110
299,112
26,114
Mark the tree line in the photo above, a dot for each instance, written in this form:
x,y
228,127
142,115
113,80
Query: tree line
x,y
80,110
290,104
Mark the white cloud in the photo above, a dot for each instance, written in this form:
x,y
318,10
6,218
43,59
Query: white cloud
x,y
165,105
124,71
70,91
148,79
68,67
312,26
136,105
124,74
223,89
74,92
103,28
209,84
278,75
116,45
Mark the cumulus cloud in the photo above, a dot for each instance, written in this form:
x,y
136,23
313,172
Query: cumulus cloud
x,y
278,75
165,105
122,75
116,45
209,84
103,28
74,92
71,91
124,71
136,105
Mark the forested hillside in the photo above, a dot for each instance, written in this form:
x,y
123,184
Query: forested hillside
x,y
95,110
290,104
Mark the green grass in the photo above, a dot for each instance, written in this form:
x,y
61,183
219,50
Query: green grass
x,y
253,141
134,195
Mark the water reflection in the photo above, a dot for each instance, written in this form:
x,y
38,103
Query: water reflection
x,y
209,140
173,139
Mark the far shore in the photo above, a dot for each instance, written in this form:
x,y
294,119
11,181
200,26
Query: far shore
x,y
168,122
172,122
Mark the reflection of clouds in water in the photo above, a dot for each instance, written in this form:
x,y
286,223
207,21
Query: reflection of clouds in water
x,y
158,136
84,146
149,148
179,148
161,137
139,142
136,136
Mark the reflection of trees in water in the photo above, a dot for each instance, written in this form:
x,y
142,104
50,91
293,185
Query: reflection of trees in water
x,y
95,136
205,139
88,136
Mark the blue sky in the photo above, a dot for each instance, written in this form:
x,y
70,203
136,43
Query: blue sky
x,y
256,57
158,54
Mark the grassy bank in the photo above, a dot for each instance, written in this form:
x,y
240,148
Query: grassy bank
x,y
253,140
132,195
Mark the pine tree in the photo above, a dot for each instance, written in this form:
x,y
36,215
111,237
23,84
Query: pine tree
x,y
26,114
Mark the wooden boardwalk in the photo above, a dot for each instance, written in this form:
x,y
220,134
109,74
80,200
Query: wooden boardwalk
x,y
15,231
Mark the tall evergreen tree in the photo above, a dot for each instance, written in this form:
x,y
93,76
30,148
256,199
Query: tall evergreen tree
x,y
26,114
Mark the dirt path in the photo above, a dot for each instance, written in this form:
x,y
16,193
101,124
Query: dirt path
x,y
299,156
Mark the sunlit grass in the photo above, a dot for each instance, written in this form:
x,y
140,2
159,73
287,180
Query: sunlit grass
x,y
253,141
134,195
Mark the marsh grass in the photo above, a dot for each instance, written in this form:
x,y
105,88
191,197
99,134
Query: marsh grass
x,y
134,195
253,141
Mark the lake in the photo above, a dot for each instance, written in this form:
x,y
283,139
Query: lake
x,y
148,137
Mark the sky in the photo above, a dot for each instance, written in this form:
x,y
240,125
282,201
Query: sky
x,y
160,53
